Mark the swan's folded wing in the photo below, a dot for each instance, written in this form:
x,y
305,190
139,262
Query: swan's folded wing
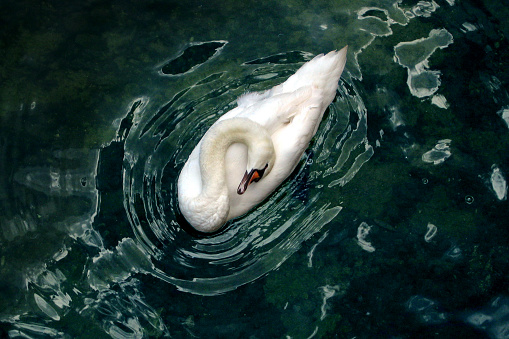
x,y
251,98
277,111
291,141
306,123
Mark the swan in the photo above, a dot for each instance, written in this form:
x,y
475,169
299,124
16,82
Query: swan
x,y
249,151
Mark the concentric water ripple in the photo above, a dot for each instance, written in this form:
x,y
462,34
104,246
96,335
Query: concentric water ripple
x,y
162,138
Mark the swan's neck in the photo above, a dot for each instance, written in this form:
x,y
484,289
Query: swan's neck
x,y
213,199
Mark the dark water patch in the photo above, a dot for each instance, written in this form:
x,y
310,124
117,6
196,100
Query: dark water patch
x,y
163,110
192,56
109,169
375,13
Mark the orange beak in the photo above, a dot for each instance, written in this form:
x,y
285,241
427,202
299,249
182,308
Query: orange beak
x,y
253,176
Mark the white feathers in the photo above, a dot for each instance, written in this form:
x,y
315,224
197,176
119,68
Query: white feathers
x,y
289,114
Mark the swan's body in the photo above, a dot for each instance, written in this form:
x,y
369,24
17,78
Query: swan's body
x,y
257,144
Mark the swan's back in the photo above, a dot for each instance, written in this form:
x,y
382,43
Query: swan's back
x,y
291,112
322,72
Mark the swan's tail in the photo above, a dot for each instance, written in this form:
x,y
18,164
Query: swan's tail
x,y
323,72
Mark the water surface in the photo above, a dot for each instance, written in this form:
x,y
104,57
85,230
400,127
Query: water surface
x,y
394,224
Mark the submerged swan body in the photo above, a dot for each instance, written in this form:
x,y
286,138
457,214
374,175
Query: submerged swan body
x,y
253,148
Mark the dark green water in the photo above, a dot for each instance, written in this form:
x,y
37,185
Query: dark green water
x,y
394,224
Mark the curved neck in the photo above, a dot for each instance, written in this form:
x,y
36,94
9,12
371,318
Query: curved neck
x,y
215,144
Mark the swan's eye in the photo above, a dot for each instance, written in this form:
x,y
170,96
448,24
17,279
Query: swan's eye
x,y
259,173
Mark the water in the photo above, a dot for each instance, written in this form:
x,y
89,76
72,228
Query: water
x,y
393,224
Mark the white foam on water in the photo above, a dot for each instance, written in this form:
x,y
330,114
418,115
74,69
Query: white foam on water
x,y
440,101
439,153
30,330
468,27
419,303
414,56
328,292
504,114
362,233
431,233
370,27
313,248
422,9
60,254
498,183
479,319
454,252
396,117
46,308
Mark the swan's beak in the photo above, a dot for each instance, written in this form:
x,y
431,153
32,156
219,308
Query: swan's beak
x,y
253,176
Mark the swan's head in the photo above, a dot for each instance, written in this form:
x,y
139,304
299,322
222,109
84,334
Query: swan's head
x,y
259,164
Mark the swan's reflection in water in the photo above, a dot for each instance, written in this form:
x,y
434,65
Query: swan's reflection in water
x,y
161,139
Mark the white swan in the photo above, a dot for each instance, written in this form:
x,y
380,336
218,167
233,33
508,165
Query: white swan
x,y
257,144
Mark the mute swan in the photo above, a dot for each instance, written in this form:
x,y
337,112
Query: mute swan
x,y
257,144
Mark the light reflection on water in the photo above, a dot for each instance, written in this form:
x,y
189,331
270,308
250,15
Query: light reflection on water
x,y
400,197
